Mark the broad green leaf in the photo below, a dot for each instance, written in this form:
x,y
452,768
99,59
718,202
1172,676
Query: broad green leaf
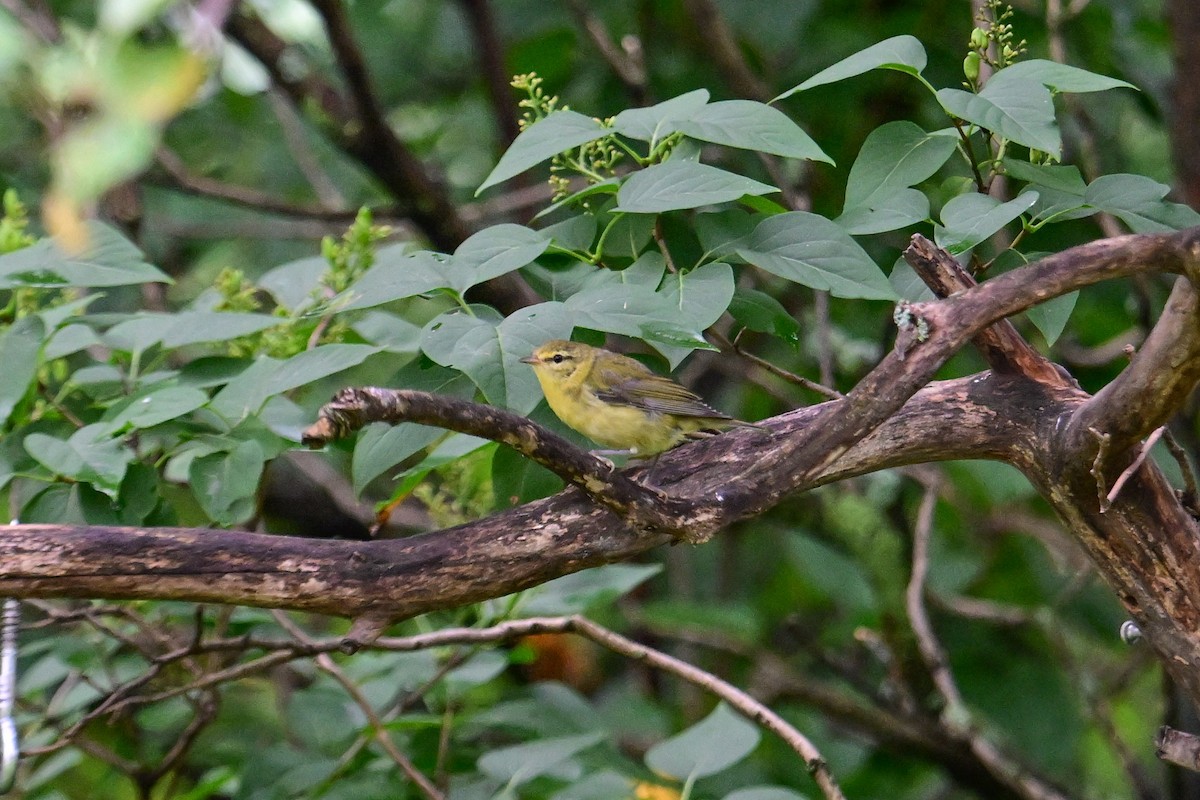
x,y
647,272
292,284
583,591
268,377
90,455
1139,202
712,745
490,352
894,156
908,283
622,308
749,125
654,123
720,232
225,483
1066,178
816,252
603,785
765,793
701,295
156,407
902,53
683,184
185,328
543,140
574,233
1051,316
896,209
380,447
1059,77
972,218
109,259
522,763
629,235
397,274
493,252
393,333
19,348
65,341
1020,111
1059,190
760,312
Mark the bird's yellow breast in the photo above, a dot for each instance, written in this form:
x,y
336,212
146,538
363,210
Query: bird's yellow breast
x,y
623,427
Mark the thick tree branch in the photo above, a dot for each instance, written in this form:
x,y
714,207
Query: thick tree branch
x,y
1154,386
1145,545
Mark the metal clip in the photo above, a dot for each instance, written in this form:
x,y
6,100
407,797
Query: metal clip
x,y
9,746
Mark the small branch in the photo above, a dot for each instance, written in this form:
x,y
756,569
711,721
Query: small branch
x,y
1002,346
491,64
378,728
722,47
1143,451
1178,748
643,508
739,700
777,371
627,64
1157,382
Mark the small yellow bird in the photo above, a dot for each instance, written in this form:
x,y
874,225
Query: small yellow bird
x,y
618,402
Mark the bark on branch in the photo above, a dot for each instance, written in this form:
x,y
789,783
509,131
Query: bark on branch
x,y
1145,544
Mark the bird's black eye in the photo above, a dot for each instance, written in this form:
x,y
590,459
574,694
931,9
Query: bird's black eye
x,y
558,358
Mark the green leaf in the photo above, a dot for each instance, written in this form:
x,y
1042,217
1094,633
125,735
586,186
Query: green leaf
x,y
701,295
971,218
267,377
391,332
894,156
1020,111
1059,77
656,122
765,793
1139,202
397,274
1065,178
712,745
886,212
629,235
381,447
1051,316
109,259
493,252
622,309
588,589
760,312
902,53
490,352
184,328
720,232
65,341
156,407
225,483
752,126
543,140
683,184
19,348
90,455
522,763
292,284
574,233
816,252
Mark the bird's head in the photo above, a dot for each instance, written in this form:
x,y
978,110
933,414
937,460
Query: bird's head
x,y
560,359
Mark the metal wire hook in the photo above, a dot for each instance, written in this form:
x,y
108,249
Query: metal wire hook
x,y
9,745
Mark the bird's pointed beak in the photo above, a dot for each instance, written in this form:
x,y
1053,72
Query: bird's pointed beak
x,y
529,360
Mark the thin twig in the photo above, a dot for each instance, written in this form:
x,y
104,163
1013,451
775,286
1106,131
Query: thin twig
x,y
1132,468
733,347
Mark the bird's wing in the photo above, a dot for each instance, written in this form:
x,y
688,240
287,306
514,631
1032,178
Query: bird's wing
x,y
655,393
